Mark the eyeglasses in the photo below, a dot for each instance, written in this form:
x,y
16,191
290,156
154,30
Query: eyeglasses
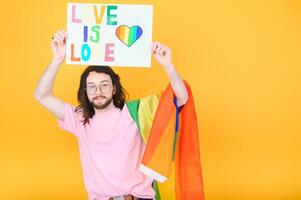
x,y
104,88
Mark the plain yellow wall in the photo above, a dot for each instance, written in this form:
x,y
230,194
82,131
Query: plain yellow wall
x,y
241,58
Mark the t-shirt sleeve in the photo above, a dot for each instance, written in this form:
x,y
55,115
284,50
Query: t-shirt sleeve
x,y
72,121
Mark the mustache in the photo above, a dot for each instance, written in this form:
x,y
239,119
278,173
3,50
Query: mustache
x,y
98,97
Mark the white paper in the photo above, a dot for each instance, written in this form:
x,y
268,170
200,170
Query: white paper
x,y
133,16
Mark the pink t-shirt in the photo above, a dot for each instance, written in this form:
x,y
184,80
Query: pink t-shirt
x,y
111,150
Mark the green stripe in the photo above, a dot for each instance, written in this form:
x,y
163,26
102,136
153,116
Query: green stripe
x,y
132,35
133,107
174,146
156,188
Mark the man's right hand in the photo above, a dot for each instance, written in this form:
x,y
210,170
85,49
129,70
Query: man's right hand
x,y
58,45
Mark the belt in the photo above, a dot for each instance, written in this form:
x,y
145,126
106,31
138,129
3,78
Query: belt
x,y
127,197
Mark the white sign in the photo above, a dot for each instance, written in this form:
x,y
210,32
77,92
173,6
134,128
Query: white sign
x,y
109,34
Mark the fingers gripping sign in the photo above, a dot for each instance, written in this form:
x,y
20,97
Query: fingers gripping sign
x,y
162,54
58,45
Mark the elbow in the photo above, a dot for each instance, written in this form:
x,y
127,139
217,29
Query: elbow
x,y
186,97
38,96
185,100
182,101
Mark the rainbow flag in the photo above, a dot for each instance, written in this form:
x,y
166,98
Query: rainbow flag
x,y
172,155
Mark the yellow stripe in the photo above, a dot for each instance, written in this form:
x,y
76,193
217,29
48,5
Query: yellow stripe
x,y
167,189
126,35
146,114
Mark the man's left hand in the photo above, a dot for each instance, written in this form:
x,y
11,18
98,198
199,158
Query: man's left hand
x,y
162,54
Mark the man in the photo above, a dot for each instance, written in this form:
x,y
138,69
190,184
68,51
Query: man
x,y
111,147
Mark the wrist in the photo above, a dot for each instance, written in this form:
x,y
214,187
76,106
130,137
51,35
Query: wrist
x,y
57,61
168,66
170,70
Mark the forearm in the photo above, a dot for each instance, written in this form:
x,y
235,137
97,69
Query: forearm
x,y
46,82
177,85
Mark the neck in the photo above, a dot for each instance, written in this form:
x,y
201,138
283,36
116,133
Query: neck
x,y
109,107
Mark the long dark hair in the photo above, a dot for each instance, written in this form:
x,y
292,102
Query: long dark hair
x,y
85,107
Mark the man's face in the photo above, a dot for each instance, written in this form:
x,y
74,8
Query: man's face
x,y
99,89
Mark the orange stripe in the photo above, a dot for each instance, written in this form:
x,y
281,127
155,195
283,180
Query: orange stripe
x,y
121,33
164,112
164,147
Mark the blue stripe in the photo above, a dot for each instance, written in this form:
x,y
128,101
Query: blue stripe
x,y
176,130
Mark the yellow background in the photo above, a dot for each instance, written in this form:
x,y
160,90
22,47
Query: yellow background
x,y
241,58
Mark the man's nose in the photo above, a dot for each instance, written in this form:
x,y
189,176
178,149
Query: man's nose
x,y
98,90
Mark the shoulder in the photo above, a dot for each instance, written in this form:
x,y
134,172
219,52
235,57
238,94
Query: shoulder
x,y
76,111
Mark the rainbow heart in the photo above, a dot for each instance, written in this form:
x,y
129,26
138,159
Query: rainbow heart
x,y
128,35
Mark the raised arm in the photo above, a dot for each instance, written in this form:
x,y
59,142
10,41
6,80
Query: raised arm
x,y
163,56
43,93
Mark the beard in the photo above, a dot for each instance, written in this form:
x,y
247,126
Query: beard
x,y
101,105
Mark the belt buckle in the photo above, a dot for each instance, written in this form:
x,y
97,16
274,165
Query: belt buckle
x,y
119,198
